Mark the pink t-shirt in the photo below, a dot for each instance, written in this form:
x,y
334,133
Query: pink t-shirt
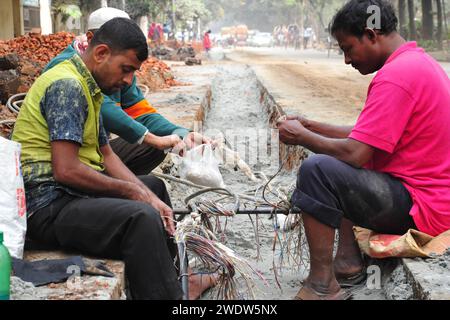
x,y
406,119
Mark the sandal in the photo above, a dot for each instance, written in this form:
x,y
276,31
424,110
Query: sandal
x,y
307,293
353,280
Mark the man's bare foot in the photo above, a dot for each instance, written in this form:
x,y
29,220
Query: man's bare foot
x,y
199,283
344,268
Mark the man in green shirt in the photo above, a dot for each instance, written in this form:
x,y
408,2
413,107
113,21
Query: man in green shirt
x,y
80,195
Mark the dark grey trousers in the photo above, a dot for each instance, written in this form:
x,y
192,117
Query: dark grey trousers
x,y
329,189
140,159
113,228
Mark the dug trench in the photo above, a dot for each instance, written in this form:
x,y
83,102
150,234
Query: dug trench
x,y
238,107
235,103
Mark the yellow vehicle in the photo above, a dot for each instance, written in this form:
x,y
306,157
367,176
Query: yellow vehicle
x,y
237,35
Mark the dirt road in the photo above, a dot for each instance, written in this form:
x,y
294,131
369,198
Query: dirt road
x,y
309,82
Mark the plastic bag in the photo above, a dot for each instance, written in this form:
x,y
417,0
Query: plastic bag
x,y
13,217
201,167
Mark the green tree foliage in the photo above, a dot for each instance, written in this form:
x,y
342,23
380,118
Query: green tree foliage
x,y
137,8
189,10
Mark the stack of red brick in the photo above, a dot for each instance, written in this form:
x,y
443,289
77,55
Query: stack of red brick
x,y
22,60
155,74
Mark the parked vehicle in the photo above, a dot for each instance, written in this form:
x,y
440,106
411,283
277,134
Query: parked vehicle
x,y
262,39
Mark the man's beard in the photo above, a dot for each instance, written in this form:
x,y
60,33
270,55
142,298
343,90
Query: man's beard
x,y
105,90
109,91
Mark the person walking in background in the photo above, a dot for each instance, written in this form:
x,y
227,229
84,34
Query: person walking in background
x,y
160,32
154,34
151,31
207,42
307,34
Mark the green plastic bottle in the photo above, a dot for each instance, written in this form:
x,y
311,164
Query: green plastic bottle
x,y
5,270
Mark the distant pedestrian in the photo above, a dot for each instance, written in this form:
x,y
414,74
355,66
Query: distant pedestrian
x,y
307,34
207,42
151,31
160,32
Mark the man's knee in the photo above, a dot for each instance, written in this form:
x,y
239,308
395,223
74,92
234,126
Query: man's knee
x,y
146,217
159,156
317,165
155,184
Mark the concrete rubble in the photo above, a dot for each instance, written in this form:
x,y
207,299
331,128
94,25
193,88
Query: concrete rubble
x,y
429,278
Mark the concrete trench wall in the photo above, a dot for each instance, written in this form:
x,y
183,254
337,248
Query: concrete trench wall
x,y
294,155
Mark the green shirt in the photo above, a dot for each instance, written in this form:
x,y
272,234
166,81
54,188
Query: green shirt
x,y
63,104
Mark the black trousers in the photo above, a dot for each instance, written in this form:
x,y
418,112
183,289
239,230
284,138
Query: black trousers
x,y
140,159
113,228
329,189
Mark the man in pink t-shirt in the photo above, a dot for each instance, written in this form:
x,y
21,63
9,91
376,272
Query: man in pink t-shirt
x,y
391,171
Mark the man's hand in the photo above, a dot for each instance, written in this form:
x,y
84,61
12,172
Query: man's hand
x,y
195,139
143,194
166,214
301,119
291,131
180,148
162,143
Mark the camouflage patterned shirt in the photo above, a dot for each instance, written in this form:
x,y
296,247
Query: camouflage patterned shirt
x,y
65,108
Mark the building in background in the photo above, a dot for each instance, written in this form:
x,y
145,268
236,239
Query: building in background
x,y
31,16
18,17
11,19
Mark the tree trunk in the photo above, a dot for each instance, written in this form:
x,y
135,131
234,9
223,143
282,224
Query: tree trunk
x,y
445,18
302,19
319,11
427,20
440,24
46,17
143,24
402,17
412,21
173,20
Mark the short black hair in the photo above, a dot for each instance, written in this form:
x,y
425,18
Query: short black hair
x,y
121,34
352,17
